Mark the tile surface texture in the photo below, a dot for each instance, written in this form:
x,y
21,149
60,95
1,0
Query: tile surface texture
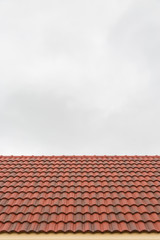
x,y
80,194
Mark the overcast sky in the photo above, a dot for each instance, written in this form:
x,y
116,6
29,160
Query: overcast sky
x,y
79,77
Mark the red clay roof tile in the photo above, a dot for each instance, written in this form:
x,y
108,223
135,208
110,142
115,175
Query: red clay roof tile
x,y
79,193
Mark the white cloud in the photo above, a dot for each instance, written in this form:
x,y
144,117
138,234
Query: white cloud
x,y
79,77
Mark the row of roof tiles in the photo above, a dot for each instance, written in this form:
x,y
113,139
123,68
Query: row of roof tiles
x,y
81,179
79,217
80,227
78,174
75,184
81,189
76,163
82,195
80,209
100,163
80,201
75,172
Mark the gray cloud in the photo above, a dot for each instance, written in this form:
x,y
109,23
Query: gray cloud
x,y
79,77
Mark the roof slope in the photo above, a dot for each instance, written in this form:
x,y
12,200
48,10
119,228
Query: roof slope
x,y
79,193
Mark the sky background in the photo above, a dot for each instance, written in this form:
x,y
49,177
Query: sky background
x,y
79,77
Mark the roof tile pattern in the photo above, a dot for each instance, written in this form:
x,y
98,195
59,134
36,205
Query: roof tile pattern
x,y
79,193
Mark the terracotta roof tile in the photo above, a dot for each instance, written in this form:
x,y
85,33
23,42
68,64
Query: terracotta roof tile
x,y
79,193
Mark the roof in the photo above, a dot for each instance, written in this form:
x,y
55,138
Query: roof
x,y
79,194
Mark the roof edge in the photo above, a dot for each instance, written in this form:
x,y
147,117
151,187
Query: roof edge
x,y
79,236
